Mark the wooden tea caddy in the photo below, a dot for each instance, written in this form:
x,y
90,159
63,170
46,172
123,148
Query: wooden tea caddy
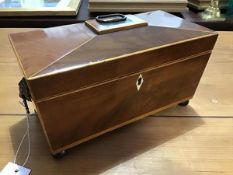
x,y
84,84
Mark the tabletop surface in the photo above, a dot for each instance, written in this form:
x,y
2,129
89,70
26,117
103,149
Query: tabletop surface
x,y
194,140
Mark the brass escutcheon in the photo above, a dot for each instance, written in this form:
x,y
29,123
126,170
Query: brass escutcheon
x,y
139,82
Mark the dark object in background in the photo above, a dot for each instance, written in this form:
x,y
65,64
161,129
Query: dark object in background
x,y
230,8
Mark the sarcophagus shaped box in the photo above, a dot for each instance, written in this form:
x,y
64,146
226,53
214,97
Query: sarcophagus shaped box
x,y
84,84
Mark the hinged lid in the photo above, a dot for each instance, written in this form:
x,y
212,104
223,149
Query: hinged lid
x,y
59,49
77,50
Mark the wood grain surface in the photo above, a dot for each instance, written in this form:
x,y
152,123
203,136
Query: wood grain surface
x,y
198,145
114,100
113,103
153,146
48,50
38,49
91,75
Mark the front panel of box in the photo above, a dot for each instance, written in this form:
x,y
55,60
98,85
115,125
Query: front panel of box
x,y
72,117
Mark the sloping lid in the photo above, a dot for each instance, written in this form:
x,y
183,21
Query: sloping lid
x,y
39,49
64,48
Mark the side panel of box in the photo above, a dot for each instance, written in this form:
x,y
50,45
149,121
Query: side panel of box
x,y
70,118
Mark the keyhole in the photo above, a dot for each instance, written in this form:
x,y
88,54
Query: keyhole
x,y
139,82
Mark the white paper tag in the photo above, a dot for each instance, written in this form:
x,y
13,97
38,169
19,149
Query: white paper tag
x,y
14,169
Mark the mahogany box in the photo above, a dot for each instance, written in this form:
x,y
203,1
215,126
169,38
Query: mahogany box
x,y
84,84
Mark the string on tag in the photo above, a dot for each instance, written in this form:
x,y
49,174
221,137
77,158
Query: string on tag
x,y
27,133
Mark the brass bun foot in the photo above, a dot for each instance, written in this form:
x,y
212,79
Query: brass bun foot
x,y
59,155
185,103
